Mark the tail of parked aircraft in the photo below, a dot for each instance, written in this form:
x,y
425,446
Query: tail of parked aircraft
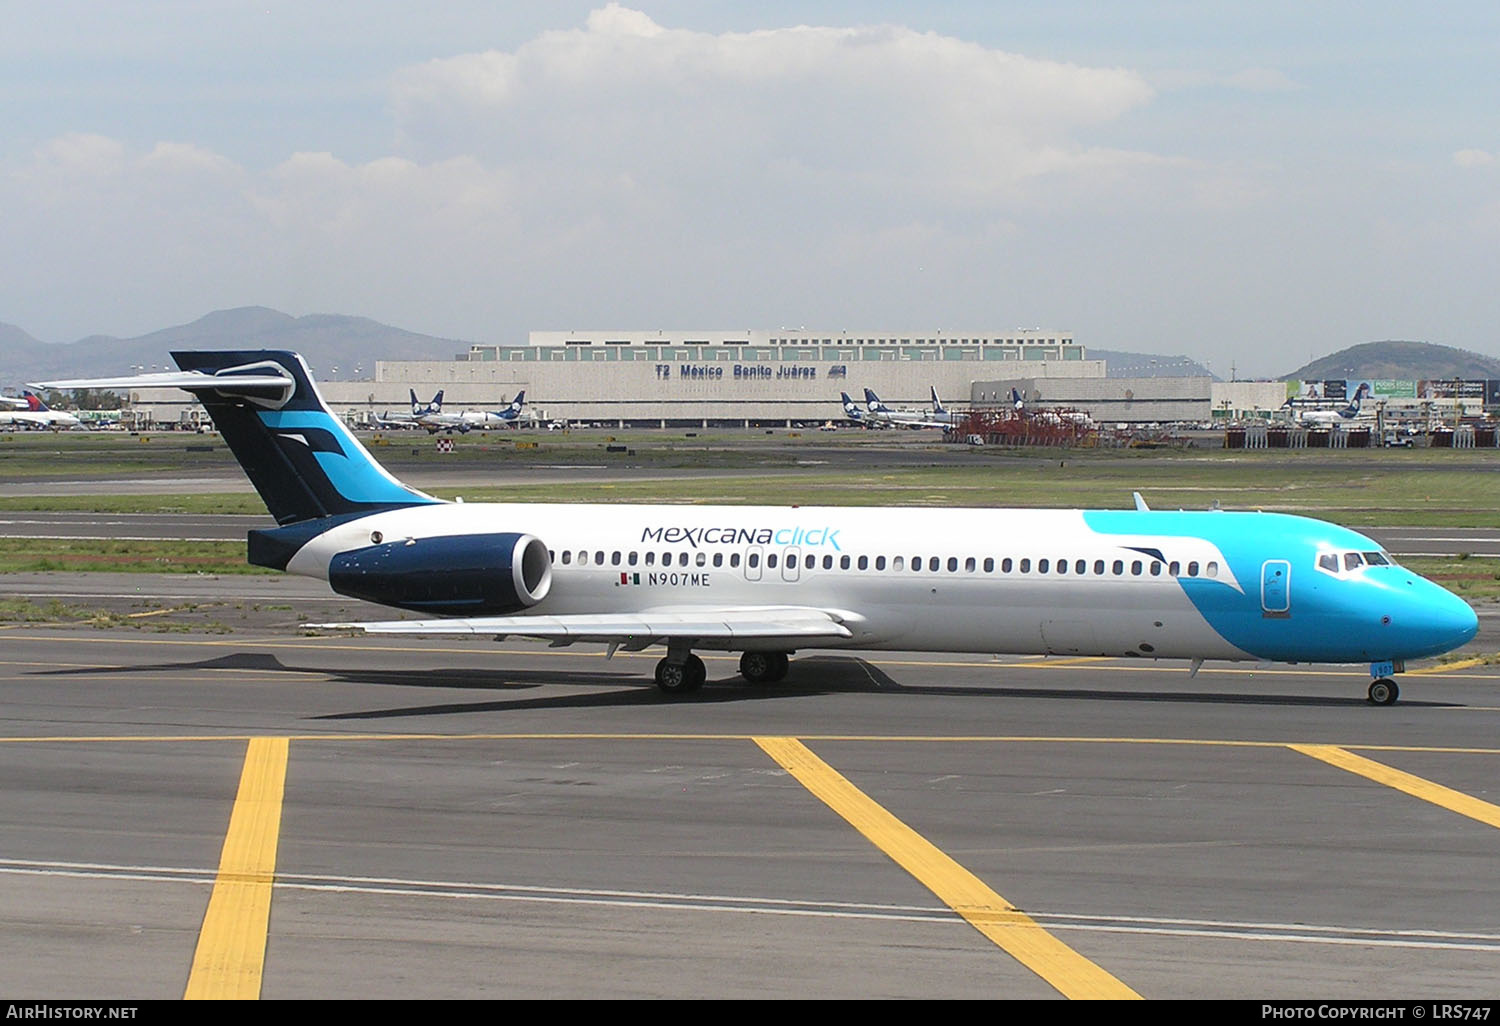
x,y
301,458
872,401
1016,401
851,408
513,411
34,402
937,404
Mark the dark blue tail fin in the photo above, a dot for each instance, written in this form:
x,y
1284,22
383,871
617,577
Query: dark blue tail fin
x,y
301,458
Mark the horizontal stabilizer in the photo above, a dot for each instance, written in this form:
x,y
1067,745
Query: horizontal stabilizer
x,y
265,382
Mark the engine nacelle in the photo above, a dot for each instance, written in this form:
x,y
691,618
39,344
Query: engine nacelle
x,y
452,575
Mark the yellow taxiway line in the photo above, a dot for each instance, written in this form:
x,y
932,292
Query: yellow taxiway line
x,y
1013,930
231,952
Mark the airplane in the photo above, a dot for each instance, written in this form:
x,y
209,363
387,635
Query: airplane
x,y
854,413
766,581
1328,418
36,414
418,411
880,413
470,420
1074,417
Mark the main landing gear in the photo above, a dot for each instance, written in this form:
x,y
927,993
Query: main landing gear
x,y
681,673
1383,690
763,667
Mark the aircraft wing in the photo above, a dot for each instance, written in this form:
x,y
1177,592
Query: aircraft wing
x,y
713,627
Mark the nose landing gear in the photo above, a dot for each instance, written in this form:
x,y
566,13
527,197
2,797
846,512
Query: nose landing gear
x,y
1383,690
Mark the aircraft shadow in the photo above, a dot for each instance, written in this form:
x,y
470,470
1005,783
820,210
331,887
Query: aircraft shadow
x,y
809,676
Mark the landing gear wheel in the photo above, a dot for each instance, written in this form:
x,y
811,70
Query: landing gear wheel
x,y
757,667
697,673
680,678
1384,692
763,667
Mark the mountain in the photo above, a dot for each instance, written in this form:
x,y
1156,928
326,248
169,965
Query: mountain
x,y
326,341
1402,361
1118,364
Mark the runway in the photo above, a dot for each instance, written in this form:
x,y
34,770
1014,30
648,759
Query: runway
x,y
455,819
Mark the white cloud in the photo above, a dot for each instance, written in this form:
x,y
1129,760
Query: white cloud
x,y
885,108
1473,158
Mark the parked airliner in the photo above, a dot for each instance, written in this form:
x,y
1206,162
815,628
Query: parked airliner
x,y
1326,418
473,420
32,412
768,580
881,414
418,411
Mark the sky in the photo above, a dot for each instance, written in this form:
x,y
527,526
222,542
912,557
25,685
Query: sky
x,y
1252,185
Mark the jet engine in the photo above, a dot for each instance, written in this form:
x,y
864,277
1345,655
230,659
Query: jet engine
x,y
451,575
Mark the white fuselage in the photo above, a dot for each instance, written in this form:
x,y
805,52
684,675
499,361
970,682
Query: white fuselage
x,y
976,597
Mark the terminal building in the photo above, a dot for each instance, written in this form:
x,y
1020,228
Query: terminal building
x,y
789,377
729,378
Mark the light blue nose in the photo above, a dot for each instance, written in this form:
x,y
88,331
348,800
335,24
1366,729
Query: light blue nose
x,y
1432,620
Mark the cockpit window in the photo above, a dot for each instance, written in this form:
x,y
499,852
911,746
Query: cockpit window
x,y
1376,559
1329,561
1352,561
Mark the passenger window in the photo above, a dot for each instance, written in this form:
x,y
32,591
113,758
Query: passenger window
x,y
933,564
828,562
583,558
701,559
614,559
1119,567
771,561
630,558
1042,566
1352,561
1174,568
718,559
599,558
1211,570
989,564
953,564
1099,567
682,559
650,559
1193,568
754,560
1025,566
916,564
1329,561
864,562
1062,566
1155,568
734,559
1005,565
880,563
1135,568
898,563
969,565
567,557
843,562
1081,566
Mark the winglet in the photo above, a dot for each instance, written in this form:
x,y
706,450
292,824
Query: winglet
x,y
1140,503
